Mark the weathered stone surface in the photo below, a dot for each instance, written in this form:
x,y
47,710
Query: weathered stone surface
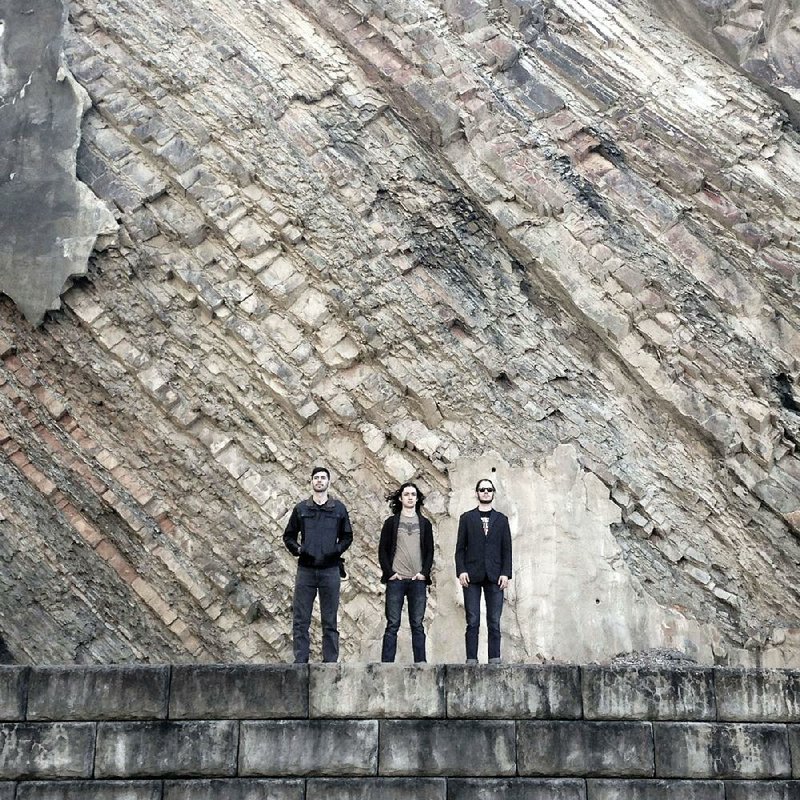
x,y
376,690
161,749
597,789
97,790
706,750
13,692
238,692
794,746
48,221
98,693
648,693
423,747
236,789
46,750
585,748
516,789
762,790
758,695
315,747
368,788
396,236
760,39
509,691
7,790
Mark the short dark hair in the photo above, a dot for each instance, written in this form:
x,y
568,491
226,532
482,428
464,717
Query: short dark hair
x,y
395,499
485,480
321,469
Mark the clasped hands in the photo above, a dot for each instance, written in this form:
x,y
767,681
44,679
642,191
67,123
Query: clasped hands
x,y
463,579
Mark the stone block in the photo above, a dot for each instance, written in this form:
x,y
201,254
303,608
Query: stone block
x,y
514,691
770,695
539,99
369,788
46,750
762,790
376,690
155,749
794,748
648,693
98,693
516,789
96,790
309,747
602,749
726,750
7,790
238,691
13,692
237,789
600,789
444,747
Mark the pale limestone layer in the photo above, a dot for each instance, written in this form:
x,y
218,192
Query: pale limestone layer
x,y
573,597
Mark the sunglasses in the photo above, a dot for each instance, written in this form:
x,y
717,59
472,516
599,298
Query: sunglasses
x,y
485,489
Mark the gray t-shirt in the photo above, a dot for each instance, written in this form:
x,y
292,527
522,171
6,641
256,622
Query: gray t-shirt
x,y
408,556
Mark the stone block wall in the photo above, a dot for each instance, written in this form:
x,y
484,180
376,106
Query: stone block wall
x,y
435,732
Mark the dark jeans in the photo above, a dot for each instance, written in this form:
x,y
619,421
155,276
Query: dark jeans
x,y
417,594
307,583
493,595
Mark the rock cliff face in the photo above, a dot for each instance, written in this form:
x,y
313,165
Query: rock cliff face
x,y
551,242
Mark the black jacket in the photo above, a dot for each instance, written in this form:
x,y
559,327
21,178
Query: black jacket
x,y
388,546
318,535
483,557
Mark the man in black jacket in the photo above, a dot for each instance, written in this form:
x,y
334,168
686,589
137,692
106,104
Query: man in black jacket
x,y
405,553
483,562
317,534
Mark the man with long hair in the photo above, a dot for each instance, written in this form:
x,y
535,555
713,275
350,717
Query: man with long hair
x,y
405,553
483,564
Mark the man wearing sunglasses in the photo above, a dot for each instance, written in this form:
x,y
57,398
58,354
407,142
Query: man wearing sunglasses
x,y
483,563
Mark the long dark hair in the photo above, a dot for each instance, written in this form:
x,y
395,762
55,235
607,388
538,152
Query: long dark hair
x,y
395,501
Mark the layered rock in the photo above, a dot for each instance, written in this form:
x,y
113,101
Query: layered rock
x,y
413,239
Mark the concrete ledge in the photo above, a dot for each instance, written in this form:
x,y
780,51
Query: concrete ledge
x,y
651,694
654,790
98,693
794,750
758,695
162,749
238,692
602,749
46,750
238,789
13,693
762,790
376,691
724,750
516,789
514,691
309,747
443,747
90,790
371,788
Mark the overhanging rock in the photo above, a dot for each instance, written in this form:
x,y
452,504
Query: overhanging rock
x,y
49,221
